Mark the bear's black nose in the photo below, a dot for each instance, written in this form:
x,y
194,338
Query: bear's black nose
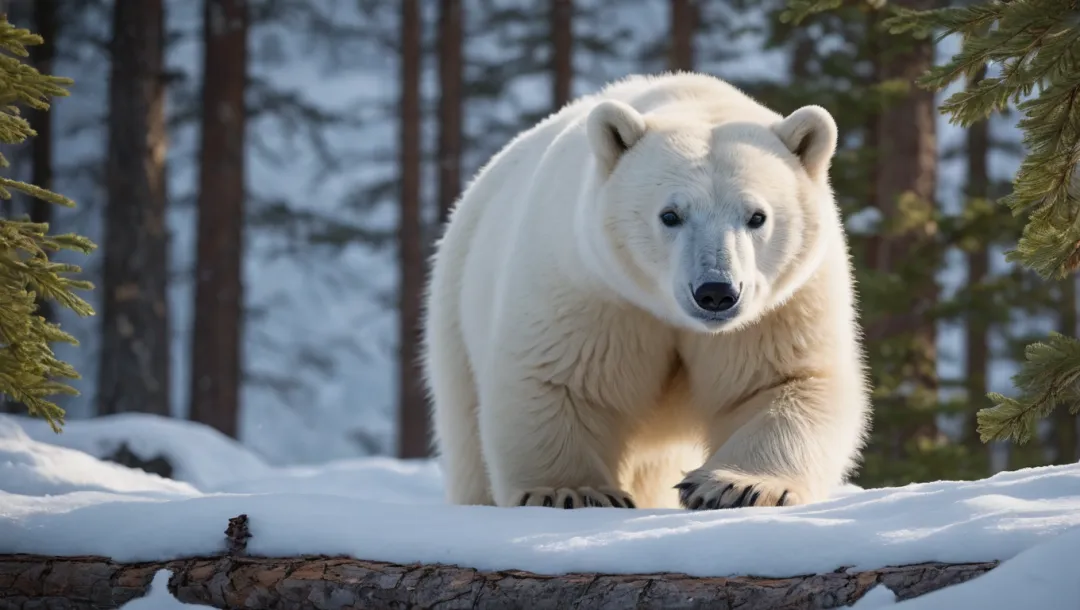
x,y
716,296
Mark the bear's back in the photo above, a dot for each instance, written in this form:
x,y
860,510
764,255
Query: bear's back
x,y
517,217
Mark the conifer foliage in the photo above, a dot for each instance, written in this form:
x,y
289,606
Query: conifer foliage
x,y
29,371
1036,44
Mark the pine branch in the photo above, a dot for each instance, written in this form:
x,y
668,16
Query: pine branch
x,y
1050,377
29,371
1036,44
798,10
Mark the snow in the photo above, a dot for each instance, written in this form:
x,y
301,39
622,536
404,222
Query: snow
x,y
200,455
61,501
1046,577
877,597
29,468
159,597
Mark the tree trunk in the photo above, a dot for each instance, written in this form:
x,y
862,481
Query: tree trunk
x,y
683,28
324,583
450,104
216,367
978,262
134,368
870,128
906,132
562,51
413,428
41,154
1067,425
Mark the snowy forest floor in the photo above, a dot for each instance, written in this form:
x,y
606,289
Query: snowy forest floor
x,y
57,498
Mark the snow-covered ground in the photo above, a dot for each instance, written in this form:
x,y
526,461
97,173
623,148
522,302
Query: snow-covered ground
x,y
57,498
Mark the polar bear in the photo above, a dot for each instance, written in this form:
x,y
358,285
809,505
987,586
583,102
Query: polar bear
x,y
647,300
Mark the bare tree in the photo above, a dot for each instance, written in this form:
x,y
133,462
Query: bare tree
x,y
684,18
219,294
134,368
562,51
413,427
450,104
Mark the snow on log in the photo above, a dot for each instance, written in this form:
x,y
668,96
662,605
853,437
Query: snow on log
x,y
323,583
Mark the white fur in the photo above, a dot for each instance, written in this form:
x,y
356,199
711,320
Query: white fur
x,y
566,358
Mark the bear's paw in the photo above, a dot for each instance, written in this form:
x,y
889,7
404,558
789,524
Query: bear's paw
x,y
704,489
569,497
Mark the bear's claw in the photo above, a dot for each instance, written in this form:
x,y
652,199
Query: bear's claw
x,y
581,497
714,489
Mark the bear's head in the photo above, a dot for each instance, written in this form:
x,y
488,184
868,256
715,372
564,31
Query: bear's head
x,y
708,223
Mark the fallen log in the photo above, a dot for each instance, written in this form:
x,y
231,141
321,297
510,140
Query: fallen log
x,y
235,581
324,583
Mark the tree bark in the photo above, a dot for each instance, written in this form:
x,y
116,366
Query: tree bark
x,y
683,28
978,261
216,367
562,51
235,581
906,130
1067,426
134,369
413,428
324,583
41,151
450,104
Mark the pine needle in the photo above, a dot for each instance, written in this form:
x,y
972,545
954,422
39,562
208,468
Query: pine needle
x,y
29,370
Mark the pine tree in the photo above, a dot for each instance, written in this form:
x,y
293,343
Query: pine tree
x,y
42,15
684,18
562,54
219,296
133,374
29,371
905,255
284,232
450,105
977,331
413,428
1067,425
1037,45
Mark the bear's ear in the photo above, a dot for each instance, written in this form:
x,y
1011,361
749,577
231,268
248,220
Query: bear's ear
x,y
810,133
614,127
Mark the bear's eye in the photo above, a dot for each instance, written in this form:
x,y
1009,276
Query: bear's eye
x,y
756,220
670,218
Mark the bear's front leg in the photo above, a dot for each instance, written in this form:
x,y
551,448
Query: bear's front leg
x,y
789,444
546,445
